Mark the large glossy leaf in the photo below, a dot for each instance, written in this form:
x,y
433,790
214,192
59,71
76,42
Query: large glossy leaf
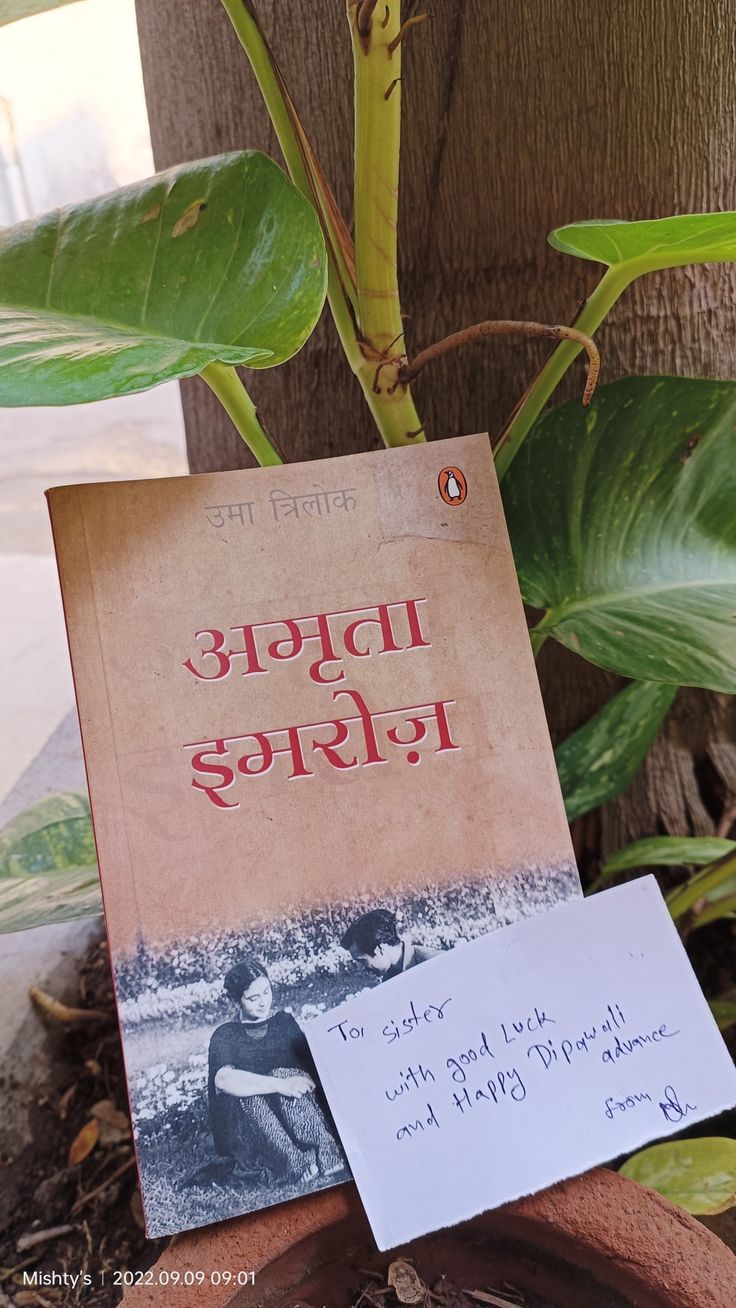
x,y
641,247
12,10
48,871
40,899
217,261
601,758
698,1175
50,836
623,526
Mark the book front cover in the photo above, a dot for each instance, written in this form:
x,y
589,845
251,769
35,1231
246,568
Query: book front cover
x,y
317,755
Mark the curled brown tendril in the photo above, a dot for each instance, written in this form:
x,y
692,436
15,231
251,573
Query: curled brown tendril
x,y
408,372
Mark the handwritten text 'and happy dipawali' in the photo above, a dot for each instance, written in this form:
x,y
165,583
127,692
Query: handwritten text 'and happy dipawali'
x,y
508,1062
354,735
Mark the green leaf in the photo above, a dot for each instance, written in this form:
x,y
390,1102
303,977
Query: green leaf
x,y
712,886
48,871
667,851
709,886
217,261
12,10
52,835
56,897
718,908
641,247
623,528
601,758
724,1009
698,1175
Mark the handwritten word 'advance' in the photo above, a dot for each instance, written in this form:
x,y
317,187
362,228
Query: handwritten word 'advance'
x,y
396,624
427,724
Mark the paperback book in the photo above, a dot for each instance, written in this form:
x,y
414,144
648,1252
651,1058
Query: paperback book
x,y
317,755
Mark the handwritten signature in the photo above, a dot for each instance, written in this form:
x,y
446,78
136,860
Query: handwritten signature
x,y
670,1106
672,1109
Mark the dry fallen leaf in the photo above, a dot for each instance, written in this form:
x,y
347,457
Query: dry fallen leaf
x,y
405,1283
84,1199
85,1142
136,1208
498,1302
32,1238
105,1111
66,1099
34,1299
111,1135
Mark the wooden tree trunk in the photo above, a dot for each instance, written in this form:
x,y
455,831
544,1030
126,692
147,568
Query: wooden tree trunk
x,y
517,118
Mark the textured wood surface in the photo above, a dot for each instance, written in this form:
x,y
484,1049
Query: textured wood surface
x,y
517,118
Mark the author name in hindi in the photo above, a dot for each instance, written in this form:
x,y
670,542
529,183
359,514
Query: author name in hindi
x,y
266,1109
315,503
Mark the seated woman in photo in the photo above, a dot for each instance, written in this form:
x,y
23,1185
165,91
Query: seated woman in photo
x,y
265,1105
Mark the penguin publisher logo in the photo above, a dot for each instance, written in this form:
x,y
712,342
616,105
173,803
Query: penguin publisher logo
x,y
453,486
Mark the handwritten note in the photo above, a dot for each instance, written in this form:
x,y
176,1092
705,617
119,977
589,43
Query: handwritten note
x,y
519,1059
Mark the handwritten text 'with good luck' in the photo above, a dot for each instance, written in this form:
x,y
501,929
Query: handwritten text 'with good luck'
x,y
354,736
511,1060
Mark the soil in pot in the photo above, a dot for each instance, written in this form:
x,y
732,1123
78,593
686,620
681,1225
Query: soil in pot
x,y
60,1216
459,1268
399,1282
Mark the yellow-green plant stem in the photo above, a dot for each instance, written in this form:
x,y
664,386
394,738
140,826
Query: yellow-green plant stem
x,y
377,63
680,901
537,638
377,148
394,414
235,400
595,309
715,911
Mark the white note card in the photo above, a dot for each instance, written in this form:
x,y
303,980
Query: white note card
x,y
519,1059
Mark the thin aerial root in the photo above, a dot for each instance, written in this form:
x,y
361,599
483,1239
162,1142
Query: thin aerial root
x,y
410,22
408,372
594,359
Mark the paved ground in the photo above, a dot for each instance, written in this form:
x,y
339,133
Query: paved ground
x,y
141,436
74,125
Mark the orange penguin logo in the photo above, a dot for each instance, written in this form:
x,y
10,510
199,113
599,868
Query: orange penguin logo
x,y
453,486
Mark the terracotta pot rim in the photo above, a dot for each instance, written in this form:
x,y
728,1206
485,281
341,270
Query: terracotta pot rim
x,y
625,1238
